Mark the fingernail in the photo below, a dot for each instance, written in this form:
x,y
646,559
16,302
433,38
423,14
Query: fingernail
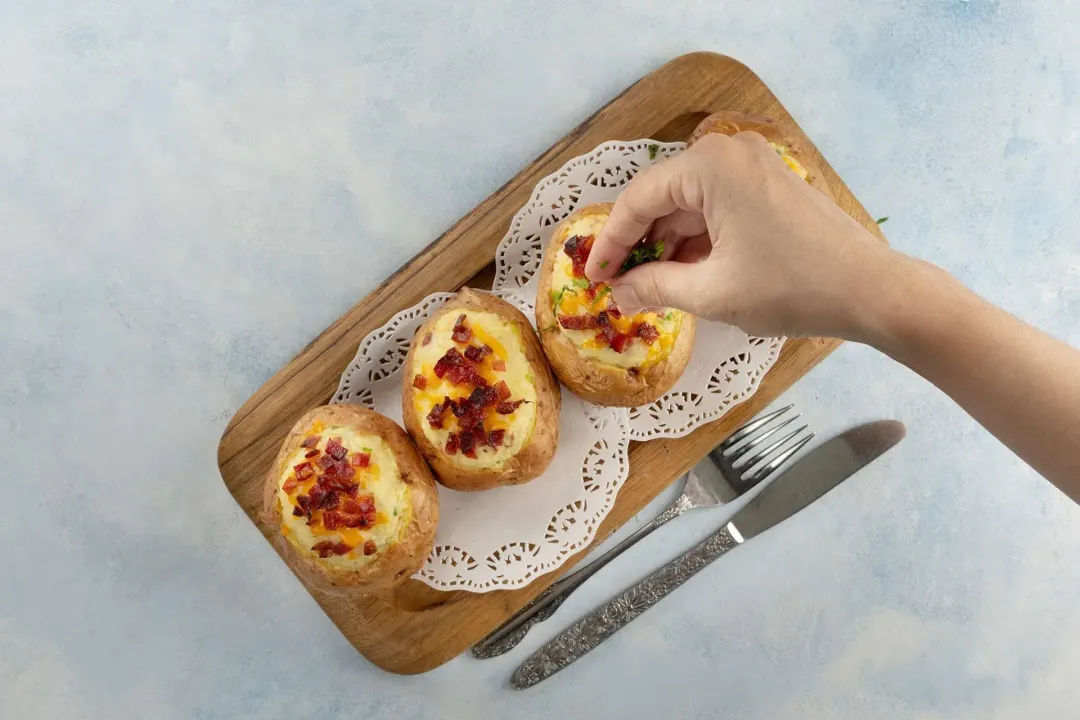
x,y
625,296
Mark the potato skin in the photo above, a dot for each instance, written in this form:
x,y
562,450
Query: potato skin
x,y
585,377
535,456
415,541
728,122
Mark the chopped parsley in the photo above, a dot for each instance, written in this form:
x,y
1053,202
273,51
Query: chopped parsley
x,y
882,220
395,512
653,149
641,254
581,283
604,290
604,264
669,316
529,376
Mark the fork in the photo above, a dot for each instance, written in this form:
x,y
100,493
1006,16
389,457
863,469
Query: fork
x,y
727,472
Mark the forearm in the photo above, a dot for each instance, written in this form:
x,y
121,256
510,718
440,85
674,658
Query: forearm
x,y
1020,384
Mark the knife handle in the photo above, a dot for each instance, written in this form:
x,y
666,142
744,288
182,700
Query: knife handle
x,y
598,626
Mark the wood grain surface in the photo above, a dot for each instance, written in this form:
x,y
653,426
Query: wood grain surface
x,y
416,628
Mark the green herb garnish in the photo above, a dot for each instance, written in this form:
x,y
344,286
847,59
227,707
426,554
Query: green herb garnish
x,y
552,326
559,295
881,220
641,254
669,316
529,376
653,149
604,290
395,512
581,283
605,264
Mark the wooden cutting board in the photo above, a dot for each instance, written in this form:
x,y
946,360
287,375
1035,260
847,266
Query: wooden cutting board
x,y
416,628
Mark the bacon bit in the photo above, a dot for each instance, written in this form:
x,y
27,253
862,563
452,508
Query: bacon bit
x,y
335,449
498,365
614,311
326,548
289,485
578,322
311,453
481,397
426,340
577,249
462,334
351,490
333,520
451,359
303,471
419,381
361,460
467,376
325,461
468,444
297,512
607,334
602,319
310,441
647,333
338,476
480,435
503,390
619,342
495,438
508,407
435,417
451,444
370,548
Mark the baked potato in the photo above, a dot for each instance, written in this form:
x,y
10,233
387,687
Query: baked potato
x,y
353,505
479,398
727,122
600,354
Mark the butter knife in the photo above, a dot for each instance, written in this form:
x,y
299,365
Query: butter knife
x,y
811,477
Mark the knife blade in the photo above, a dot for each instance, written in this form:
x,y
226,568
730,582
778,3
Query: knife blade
x,y
811,477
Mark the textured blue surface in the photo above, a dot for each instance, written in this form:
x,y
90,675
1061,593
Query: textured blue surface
x,y
189,191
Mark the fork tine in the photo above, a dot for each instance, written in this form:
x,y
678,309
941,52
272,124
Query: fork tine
x,y
765,452
747,429
738,453
779,460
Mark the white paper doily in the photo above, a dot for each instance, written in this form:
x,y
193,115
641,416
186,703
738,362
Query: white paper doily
x,y
504,538
726,365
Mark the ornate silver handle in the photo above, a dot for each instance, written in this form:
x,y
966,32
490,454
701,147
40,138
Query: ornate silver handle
x,y
506,637
595,628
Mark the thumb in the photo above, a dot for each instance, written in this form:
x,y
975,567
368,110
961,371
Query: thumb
x,y
660,284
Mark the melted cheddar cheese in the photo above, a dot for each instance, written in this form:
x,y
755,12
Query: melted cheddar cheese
x,y
505,342
792,163
380,480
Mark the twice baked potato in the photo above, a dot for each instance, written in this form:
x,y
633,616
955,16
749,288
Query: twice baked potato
x,y
727,122
479,398
353,504
599,353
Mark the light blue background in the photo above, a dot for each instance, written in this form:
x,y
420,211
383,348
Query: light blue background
x,y
189,192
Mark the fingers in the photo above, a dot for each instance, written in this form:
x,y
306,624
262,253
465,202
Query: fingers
x,y
661,284
654,193
674,229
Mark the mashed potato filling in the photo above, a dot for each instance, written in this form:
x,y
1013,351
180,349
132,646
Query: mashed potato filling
x,y
377,481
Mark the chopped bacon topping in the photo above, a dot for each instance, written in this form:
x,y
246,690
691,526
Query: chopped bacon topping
x,y
578,322
647,333
602,318
607,334
481,397
468,444
619,342
361,459
452,358
289,485
495,438
310,441
462,334
338,476
435,416
466,375
303,471
451,444
614,311
335,449
311,453
498,364
503,390
507,407
325,461
370,548
577,249
326,548
419,381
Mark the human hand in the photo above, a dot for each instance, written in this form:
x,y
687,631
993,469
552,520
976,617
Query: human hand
x,y
746,241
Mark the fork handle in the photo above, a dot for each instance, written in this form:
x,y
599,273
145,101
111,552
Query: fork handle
x,y
513,631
